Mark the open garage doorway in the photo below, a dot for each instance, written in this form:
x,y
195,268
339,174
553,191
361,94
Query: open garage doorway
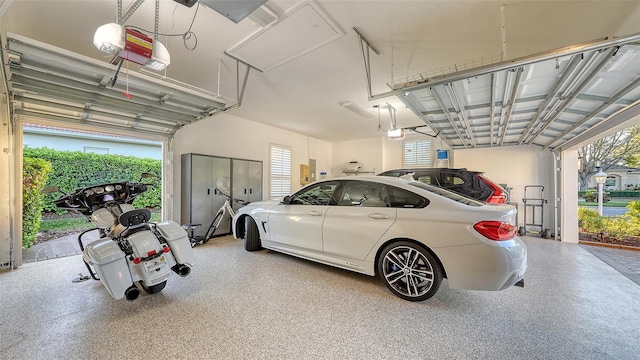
x,y
69,159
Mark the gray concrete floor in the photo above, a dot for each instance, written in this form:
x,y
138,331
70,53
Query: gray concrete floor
x,y
265,305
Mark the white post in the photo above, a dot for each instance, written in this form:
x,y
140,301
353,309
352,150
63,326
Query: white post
x,y
600,198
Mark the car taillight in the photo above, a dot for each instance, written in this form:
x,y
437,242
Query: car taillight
x,y
496,230
498,196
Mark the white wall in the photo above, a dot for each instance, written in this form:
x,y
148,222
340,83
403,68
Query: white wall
x,y
79,141
375,154
368,152
230,136
516,167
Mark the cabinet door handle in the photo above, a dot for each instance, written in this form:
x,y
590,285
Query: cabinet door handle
x,y
208,191
245,191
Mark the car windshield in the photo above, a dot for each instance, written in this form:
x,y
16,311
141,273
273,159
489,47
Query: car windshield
x,y
447,194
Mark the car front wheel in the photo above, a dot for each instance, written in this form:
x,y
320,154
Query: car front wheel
x,y
251,235
409,271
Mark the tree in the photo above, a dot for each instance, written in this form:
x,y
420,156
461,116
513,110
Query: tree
x,y
620,148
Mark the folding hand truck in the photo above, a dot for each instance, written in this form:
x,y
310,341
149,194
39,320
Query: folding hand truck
x,y
534,201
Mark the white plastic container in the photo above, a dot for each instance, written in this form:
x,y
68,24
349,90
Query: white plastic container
x,y
178,241
109,262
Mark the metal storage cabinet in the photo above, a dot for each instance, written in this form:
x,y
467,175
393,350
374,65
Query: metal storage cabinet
x,y
246,181
202,174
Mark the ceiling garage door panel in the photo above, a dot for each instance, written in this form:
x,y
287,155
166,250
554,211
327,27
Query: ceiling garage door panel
x,y
56,85
544,100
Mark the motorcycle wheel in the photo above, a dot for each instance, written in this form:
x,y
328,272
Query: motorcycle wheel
x,y
153,289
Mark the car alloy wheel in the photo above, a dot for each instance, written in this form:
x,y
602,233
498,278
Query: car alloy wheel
x,y
409,271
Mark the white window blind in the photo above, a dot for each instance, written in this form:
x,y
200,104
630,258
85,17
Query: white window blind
x,y
280,172
417,153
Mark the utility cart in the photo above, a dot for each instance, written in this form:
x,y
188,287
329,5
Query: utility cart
x,y
534,202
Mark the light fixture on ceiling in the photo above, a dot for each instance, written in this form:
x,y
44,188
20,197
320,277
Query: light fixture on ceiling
x,y
131,45
357,109
393,132
396,134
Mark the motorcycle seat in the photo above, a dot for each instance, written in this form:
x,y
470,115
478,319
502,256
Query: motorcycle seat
x,y
134,218
133,221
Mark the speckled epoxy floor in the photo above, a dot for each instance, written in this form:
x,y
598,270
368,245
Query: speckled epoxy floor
x,y
265,305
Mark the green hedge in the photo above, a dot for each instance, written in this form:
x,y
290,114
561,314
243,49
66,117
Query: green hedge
x,y
614,193
75,169
34,178
617,226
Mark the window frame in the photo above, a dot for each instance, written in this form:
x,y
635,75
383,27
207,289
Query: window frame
x,y
284,175
422,144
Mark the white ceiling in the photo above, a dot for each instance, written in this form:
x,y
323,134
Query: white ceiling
x,y
304,94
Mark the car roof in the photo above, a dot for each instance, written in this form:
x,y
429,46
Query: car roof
x,y
432,169
406,184
380,179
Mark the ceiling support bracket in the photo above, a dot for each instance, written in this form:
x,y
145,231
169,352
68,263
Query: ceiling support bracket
x,y
122,18
512,99
366,58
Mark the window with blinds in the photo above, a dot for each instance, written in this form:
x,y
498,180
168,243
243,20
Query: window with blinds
x,y
417,153
280,172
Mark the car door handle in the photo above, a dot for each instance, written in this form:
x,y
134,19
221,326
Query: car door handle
x,y
378,216
315,213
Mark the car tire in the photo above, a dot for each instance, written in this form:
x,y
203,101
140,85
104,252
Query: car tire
x,y
410,271
153,289
251,235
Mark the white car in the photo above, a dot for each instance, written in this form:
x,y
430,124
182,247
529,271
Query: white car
x,y
411,234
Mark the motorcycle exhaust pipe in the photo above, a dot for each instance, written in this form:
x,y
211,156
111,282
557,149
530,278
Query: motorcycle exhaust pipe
x,y
181,269
131,293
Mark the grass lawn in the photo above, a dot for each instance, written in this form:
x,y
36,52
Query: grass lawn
x,y
607,204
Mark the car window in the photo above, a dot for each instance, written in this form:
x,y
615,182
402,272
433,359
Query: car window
x,y
427,179
363,193
400,198
448,194
320,194
451,180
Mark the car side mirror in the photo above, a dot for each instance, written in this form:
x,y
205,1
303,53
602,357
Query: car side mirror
x,y
286,200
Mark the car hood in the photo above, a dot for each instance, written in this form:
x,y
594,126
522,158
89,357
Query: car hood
x,y
259,205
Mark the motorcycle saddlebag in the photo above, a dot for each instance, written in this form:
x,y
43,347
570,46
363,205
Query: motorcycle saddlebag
x,y
178,241
109,262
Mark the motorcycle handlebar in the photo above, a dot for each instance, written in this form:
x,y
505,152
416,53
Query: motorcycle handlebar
x,y
87,199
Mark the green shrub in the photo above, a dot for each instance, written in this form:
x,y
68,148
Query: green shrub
x,y
34,178
624,193
613,193
590,221
592,196
75,169
617,226
634,210
621,226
